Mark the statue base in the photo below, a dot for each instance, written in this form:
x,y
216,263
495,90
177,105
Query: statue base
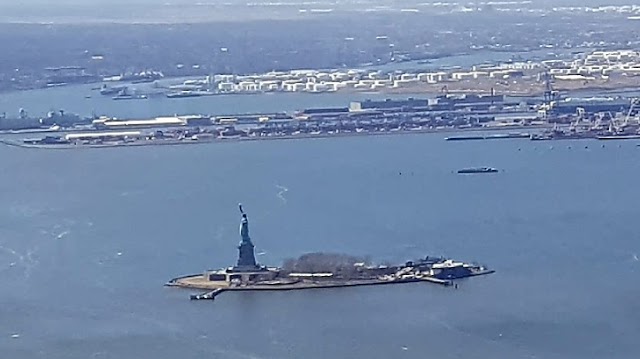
x,y
245,269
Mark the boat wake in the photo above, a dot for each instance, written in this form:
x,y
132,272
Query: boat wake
x,y
280,194
25,260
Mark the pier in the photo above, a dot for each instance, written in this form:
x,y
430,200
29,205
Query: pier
x,y
472,114
443,114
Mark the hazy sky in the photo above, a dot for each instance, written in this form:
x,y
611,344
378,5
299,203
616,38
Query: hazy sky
x,y
156,2
69,11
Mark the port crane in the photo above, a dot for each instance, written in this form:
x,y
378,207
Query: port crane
x,y
602,119
616,127
550,94
579,118
635,102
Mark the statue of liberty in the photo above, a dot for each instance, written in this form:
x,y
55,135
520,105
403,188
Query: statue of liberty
x,y
246,256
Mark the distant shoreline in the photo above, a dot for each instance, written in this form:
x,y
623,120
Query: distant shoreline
x,y
532,90
273,138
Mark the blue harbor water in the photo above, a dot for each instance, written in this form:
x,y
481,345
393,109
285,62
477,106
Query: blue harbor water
x,y
89,237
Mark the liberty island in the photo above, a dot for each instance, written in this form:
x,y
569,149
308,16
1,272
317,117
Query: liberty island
x,y
318,270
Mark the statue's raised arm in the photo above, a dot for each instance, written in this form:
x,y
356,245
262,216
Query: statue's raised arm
x,y
240,206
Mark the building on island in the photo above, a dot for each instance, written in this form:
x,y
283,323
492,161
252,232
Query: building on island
x,y
246,270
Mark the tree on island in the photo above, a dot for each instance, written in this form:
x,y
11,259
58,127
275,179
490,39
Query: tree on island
x,y
341,265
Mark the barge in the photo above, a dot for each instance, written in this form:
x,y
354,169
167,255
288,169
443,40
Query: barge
x,y
489,137
619,137
472,170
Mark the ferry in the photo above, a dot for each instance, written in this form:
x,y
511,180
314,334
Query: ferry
x,y
478,170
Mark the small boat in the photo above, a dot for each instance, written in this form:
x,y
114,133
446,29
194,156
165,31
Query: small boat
x,y
478,170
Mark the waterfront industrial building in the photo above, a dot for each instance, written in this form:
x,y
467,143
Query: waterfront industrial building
x,y
103,136
175,121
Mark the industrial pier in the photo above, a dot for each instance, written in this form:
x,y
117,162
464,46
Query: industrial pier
x,y
602,119
318,270
445,113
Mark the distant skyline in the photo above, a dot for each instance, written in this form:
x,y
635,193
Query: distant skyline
x,y
86,3
190,11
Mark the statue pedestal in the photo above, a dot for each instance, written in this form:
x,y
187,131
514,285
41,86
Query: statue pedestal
x,y
246,257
